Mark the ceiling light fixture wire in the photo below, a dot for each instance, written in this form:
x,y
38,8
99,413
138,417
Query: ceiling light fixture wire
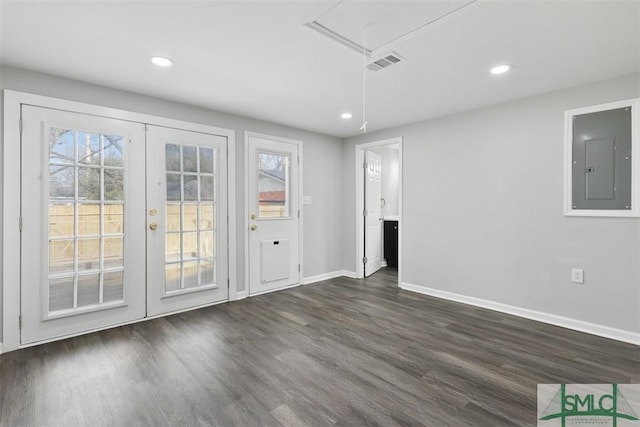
x,y
363,128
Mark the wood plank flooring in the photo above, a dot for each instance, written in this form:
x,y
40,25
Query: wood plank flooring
x,y
342,352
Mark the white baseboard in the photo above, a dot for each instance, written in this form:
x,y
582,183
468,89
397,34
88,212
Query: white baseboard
x,y
327,276
349,274
383,264
552,319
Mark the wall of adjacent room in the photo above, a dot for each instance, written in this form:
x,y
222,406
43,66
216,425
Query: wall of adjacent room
x,y
483,211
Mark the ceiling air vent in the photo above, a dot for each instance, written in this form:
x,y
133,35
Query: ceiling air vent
x,y
384,61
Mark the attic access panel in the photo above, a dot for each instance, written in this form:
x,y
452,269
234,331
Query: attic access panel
x,y
386,22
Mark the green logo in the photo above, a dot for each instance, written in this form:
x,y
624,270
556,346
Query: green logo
x,y
588,404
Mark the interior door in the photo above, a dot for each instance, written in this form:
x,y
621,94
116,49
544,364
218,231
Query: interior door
x,y
373,213
274,213
186,219
83,227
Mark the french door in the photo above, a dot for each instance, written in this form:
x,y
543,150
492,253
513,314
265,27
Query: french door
x,y
106,240
187,219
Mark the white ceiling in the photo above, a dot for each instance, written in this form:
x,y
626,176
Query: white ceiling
x,y
258,59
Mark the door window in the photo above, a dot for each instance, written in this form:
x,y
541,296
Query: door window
x,y
190,212
273,185
85,219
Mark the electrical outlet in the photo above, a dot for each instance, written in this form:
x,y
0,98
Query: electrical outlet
x,y
577,275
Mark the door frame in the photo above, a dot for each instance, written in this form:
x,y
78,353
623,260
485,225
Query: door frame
x,y
247,135
11,237
359,205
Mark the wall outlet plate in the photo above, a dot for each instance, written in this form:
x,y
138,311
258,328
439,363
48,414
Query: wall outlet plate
x,y
577,275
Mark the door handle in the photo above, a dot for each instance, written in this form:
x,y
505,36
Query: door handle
x,y
153,226
254,227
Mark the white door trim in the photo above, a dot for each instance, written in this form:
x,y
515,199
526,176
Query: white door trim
x,y
11,196
359,194
247,135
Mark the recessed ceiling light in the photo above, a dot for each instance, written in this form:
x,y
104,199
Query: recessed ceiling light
x,y
346,115
161,61
500,69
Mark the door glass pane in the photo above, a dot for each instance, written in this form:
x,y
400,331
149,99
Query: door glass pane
x,y
78,226
61,220
60,293
189,159
172,157
114,218
113,286
61,256
206,188
88,219
189,246
89,148
113,252
88,254
206,244
62,182
113,184
88,290
173,217
172,277
173,187
172,247
89,183
206,216
190,274
206,160
207,272
190,187
113,150
273,185
62,145
190,216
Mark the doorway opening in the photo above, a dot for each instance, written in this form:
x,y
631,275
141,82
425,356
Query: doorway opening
x,y
378,192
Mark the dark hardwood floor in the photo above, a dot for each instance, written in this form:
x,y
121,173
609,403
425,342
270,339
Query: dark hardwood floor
x,y
340,352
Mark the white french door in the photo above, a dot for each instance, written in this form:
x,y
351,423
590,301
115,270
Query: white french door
x,y
274,215
186,219
82,249
120,221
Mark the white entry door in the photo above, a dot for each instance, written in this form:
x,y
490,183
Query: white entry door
x,y
273,187
83,223
186,219
373,213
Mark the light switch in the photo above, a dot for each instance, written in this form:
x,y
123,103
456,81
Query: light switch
x,y
306,200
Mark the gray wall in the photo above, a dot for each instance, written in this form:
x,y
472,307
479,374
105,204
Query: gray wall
x,y
483,211
321,158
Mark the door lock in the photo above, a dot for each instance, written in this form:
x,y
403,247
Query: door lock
x,y
254,227
153,226
253,216
153,212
